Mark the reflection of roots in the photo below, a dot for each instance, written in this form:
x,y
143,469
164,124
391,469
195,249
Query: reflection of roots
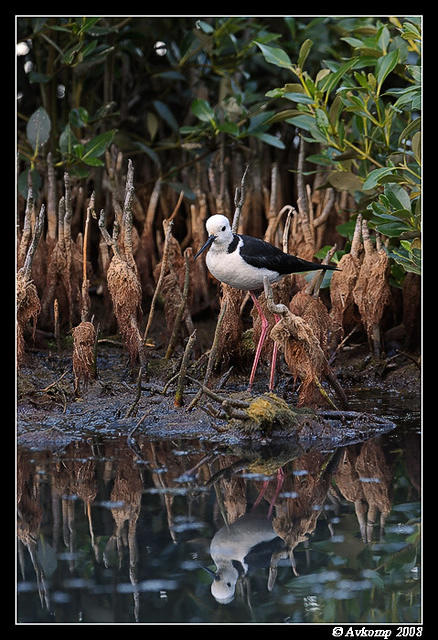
x,y
28,308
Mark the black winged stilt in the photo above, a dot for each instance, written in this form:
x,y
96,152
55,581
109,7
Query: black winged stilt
x,y
241,262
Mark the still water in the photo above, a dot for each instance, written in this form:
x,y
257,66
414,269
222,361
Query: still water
x,y
185,531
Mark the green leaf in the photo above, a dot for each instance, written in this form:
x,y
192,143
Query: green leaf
x,y
345,181
229,127
22,182
283,115
150,152
409,130
299,97
373,177
384,66
269,139
318,158
202,110
92,162
38,128
397,197
302,122
79,117
204,26
322,121
304,52
66,140
416,146
151,124
164,111
96,146
330,81
275,55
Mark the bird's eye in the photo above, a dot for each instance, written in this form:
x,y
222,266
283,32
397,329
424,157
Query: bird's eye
x,y
223,228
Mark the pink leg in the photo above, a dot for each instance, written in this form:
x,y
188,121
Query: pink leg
x,y
280,480
274,359
265,326
261,494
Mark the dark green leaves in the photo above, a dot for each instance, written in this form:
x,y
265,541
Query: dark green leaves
x,y
38,128
304,52
275,55
96,147
384,66
202,110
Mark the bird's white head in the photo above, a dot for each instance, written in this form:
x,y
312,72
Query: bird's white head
x,y
219,233
219,226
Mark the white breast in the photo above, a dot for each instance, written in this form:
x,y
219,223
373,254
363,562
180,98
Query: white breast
x,y
232,269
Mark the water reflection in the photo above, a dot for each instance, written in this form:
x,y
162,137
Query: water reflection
x,y
186,531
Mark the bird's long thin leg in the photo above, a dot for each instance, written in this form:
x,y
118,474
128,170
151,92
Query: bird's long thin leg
x,y
264,330
261,494
274,359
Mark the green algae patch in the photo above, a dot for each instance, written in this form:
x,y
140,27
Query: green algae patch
x,y
268,413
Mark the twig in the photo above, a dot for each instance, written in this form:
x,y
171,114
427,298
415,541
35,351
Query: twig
x,y
285,239
53,383
315,284
38,229
224,378
232,402
212,356
169,382
137,395
61,213
279,309
27,225
182,306
168,234
177,206
56,323
110,241
324,393
239,197
51,199
341,344
327,208
85,283
142,419
356,242
127,216
178,401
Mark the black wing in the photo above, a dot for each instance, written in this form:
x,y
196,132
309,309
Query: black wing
x,y
261,254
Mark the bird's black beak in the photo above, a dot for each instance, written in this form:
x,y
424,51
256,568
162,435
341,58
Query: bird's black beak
x,y
210,241
210,572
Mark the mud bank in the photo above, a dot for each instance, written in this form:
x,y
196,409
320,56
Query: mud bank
x,y
50,415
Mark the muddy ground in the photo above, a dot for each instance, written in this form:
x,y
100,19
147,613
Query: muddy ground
x,y
50,415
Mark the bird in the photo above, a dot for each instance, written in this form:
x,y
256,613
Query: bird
x,y
229,549
241,262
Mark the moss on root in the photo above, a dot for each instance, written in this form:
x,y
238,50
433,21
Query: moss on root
x,y
268,413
